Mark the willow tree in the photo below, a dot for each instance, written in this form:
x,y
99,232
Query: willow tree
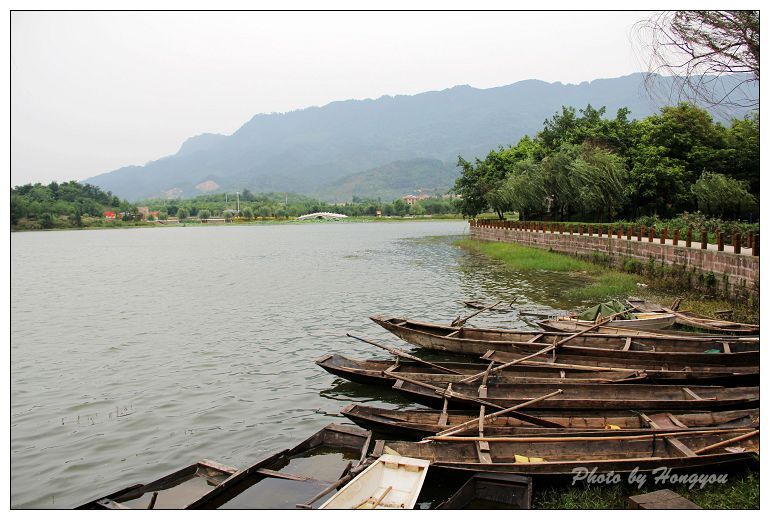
x,y
602,176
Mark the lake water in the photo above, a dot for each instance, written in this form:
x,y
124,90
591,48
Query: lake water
x,y
135,352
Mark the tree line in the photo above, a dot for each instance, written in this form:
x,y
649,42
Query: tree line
x,y
584,166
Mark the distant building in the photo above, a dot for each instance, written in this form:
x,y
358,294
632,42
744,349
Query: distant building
x,y
109,215
143,211
378,212
410,199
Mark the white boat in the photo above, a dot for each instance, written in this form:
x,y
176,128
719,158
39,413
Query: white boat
x,y
390,482
643,321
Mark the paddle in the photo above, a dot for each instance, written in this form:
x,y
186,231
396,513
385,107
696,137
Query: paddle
x,y
346,476
609,438
441,391
406,355
464,426
547,349
459,322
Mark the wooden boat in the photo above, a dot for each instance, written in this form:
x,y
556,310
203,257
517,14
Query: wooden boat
x,y
475,304
492,491
417,424
281,480
653,321
677,451
379,371
390,482
660,373
174,491
477,341
463,396
698,321
566,326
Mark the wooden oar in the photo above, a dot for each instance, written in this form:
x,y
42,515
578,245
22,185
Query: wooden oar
x,y
608,438
397,352
466,425
460,322
345,478
547,349
448,393
728,441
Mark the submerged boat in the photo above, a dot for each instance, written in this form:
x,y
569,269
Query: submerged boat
x,y
477,341
285,479
390,482
475,304
463,396
676,451
417,424
380,371
492,491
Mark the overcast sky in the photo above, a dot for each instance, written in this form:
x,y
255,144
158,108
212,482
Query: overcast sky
x,y
92,92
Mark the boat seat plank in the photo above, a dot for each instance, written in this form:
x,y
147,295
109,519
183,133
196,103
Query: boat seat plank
x,y
627,344
726,346
535,339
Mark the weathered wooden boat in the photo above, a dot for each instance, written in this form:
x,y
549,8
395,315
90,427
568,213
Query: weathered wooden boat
x,y
646,321
676,451
174,491
698,321
380,372
665,372
476,341
492,491
390,482
475,304
297,476
281,480
417,424
463,396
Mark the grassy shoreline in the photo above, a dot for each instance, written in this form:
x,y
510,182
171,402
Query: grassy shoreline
x,y
606,282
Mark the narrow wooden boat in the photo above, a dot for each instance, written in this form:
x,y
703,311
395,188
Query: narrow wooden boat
x,y
699,321
492,491
281,480
379,371
655,373
475,304
390,482
463,396
676,451
477,341
294,476
646,321
417,424
174,491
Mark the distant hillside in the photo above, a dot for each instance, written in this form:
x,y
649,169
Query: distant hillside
x,y
394,180
368,147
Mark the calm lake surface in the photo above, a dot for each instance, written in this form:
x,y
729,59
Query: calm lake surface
x,y
135,352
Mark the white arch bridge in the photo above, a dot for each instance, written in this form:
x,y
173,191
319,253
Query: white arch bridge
x,y
321,215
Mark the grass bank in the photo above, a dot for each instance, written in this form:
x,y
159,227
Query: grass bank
x,y
604,282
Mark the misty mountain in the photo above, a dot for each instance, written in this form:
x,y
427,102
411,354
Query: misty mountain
x,y
382,147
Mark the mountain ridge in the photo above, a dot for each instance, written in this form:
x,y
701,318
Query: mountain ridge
x,y
310,150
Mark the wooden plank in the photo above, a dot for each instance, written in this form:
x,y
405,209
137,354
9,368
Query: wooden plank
x,y
676,421
726,346
679,447
661,499
692,394
277,474
535,339
444,417
628,343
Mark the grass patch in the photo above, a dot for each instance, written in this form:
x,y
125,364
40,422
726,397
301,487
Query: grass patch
x,y
740,492
608,285
522,258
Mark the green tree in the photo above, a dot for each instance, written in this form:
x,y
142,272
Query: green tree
x,y
182,214
718,195
204,214
247,213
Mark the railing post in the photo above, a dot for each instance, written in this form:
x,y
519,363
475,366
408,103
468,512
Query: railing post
x,y
736,243
676,237
590,230
689,237
599,231
704,239
580,229
755,245
570,229
620,232
651,237
720,241
629,232
664,235
639,233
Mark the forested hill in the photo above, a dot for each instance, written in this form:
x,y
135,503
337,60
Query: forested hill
x,y
371,148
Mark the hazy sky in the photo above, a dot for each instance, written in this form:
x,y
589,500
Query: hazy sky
x,y
92,92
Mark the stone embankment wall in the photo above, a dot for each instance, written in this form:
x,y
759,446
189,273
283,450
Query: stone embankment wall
x,y
737,274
